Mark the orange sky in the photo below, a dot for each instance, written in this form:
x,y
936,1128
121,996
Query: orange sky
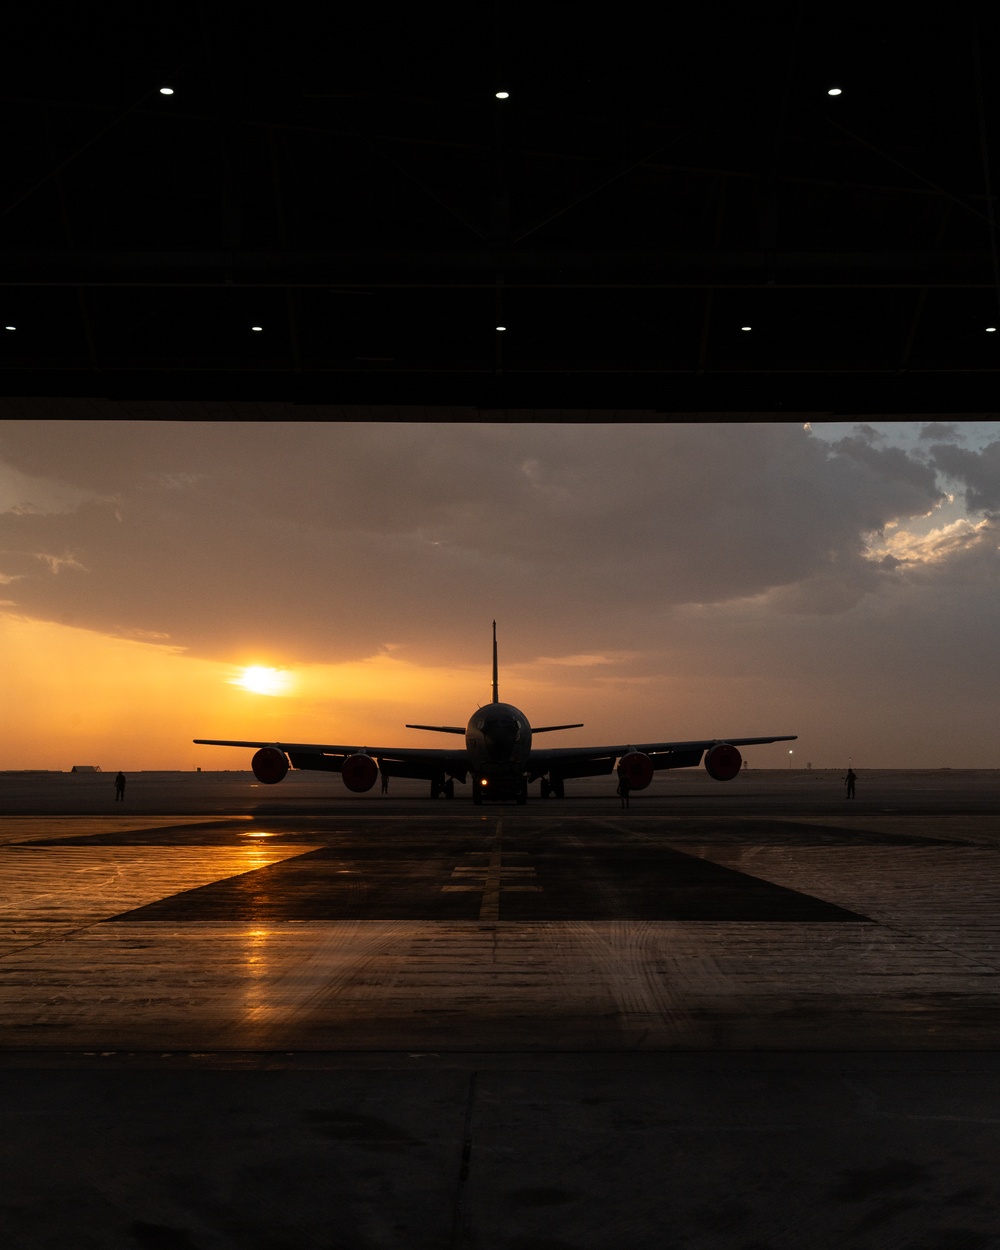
x,y
79,697
660,583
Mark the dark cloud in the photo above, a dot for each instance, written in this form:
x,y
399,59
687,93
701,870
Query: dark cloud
x,y
907,481
864,433
939,431
979,471
316,540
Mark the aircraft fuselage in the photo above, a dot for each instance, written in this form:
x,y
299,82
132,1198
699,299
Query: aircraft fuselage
x,y
498,740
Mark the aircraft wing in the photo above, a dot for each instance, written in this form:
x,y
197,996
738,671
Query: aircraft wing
x,y
393,761
593,761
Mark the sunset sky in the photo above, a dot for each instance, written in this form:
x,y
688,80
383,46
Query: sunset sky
x,y
835,580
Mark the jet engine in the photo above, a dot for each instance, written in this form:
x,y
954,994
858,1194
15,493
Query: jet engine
x,y
637,769
269,765
723,762
359,772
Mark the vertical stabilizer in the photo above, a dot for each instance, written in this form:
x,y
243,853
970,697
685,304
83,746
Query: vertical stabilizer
x,y
496,694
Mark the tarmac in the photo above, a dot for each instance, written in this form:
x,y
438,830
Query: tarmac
x,y
749,1015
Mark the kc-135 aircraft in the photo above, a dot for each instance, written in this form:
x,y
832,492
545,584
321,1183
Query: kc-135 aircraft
x,y
498,757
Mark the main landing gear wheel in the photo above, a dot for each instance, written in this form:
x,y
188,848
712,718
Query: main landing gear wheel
x,y
522,794
559,787
449,788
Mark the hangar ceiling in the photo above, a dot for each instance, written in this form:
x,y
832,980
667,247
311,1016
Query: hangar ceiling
x,y
644,194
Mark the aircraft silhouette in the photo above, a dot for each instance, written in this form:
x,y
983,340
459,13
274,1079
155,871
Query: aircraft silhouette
x,y
499,756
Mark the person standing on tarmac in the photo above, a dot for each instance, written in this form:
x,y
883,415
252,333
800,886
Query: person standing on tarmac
x,y
623,789
120,787
849,780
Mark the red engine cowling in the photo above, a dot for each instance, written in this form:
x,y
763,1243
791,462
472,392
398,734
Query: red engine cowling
x,y
637,769
269,765
359,772
723,761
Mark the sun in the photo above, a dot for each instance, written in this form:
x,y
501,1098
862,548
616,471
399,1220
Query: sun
x,y
263,680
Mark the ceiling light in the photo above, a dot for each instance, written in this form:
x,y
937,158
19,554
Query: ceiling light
x,y
835,91
501,327
746,327
166,91
10,327
989,329
256,328
503,95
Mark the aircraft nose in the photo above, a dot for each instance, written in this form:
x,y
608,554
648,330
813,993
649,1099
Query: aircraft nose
x,y
500,736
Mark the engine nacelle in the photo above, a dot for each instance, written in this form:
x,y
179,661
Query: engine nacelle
x,y
723,762
269,765
359,772
637,769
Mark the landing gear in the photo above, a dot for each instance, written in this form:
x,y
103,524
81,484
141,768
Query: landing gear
x,y
546,788
447,788
558,786
522,794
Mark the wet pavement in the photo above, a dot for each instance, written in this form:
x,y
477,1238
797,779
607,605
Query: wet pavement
x,y
756,1016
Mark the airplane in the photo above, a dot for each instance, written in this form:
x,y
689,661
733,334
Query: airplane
x,y
498,757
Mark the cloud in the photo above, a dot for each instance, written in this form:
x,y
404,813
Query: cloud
x,y
309,541
56,564
24,493
959,538
979,471
940,431
579,661
912,479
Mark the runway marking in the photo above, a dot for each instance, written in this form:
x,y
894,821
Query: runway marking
x,y
492,879
489,911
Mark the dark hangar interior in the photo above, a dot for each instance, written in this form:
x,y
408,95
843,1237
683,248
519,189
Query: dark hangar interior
x,y
670,211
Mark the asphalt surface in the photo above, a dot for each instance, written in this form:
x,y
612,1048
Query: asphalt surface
x,y
755,1015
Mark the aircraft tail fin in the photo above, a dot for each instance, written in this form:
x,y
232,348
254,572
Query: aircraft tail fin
x,y
496,689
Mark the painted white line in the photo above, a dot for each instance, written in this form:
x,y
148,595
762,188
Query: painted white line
x,y
489,912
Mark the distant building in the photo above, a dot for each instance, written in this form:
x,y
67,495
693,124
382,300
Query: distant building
x,y
85,768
